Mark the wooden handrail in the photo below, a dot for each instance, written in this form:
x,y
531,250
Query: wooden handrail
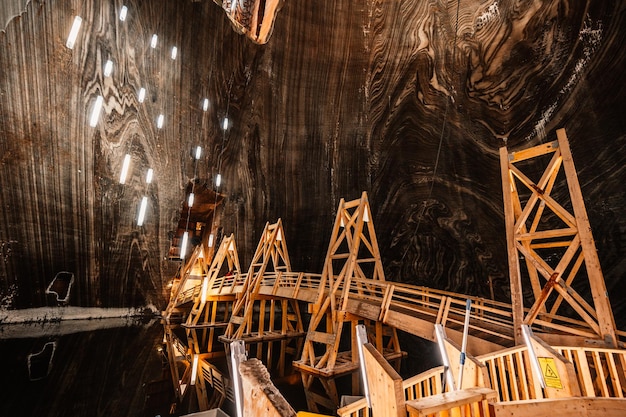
x,y
471,401
486,315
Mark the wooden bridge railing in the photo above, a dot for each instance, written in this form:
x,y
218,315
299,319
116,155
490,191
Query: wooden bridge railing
x,y
407,307
600,372
510,374
214,377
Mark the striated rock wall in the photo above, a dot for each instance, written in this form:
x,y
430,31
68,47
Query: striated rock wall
x,y
398,98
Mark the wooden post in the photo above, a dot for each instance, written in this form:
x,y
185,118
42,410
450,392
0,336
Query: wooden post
x,y
517,301
594,271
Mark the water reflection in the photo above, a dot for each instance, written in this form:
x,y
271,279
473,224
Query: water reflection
x,y
40,363
110,367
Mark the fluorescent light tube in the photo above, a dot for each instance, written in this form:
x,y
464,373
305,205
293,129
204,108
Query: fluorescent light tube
x,y
125,166
205,288
108,68
95,112
71,39
123,12
142,211
142,95
183,245
194,370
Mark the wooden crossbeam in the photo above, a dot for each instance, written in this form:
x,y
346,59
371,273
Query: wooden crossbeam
x,y
573,242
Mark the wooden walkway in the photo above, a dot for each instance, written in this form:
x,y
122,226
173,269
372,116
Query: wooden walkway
x,y
410,308
217,303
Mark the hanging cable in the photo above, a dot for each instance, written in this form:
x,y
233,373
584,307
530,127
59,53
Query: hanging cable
x,y
443,128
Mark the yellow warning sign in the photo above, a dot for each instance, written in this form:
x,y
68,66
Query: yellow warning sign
x,y
550,373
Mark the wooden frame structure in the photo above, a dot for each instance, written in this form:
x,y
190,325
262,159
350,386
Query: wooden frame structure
x,y
547,228
196,266
540,229
276,319
352,258
211,312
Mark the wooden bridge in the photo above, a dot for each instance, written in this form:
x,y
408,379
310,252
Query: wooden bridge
x,y
268,307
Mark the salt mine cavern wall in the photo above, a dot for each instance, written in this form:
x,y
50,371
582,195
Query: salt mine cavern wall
x,y
407,100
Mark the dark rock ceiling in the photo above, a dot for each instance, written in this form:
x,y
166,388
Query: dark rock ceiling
x,y
401,99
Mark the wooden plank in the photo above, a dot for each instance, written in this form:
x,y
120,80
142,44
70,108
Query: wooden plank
x,y
517,304
493,375
547,234
522,381
614,374
579,407
533,152
580,357
600,376
621,367
321,337
385,384
514,382
505,392
446,401
363,309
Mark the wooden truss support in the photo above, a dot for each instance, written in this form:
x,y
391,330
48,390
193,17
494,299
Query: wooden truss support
x,y
210,312
197,265
553,242
264,320
352,258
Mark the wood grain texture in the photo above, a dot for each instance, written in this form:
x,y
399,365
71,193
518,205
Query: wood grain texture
x,y
394,98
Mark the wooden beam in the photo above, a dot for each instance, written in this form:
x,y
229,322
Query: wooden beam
x,y
517,303
579,407
592,263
